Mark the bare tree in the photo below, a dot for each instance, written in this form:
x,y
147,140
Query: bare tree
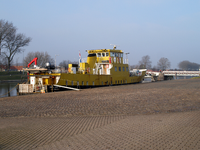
x,y
134,67
3,61
155,68
145,62
5,29
43,58
11,42
163,63
65,63
186,65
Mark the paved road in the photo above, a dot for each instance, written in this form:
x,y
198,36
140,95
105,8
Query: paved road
x,y
162,115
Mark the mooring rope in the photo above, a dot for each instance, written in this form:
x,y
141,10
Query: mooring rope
x,y
11,89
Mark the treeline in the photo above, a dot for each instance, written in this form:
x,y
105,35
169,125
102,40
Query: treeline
x,y
164,64
145,63
64,63
43,58
188,66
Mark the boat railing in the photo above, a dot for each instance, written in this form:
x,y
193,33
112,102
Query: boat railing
x,y
125,61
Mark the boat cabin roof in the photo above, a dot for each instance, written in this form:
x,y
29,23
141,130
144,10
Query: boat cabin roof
x,y
104,50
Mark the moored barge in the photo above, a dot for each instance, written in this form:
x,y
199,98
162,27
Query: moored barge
x,y
103,67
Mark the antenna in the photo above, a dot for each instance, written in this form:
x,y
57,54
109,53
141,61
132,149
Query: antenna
x,y
115,46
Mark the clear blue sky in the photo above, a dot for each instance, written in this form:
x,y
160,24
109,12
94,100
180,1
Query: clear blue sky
x,y
158,28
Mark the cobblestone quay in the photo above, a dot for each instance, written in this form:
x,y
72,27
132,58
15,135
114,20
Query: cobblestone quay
x,y
160,115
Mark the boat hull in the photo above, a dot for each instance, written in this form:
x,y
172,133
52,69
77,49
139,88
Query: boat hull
x,y
85,80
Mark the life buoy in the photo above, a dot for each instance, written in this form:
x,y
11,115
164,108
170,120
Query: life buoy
x,y
110,60
88,70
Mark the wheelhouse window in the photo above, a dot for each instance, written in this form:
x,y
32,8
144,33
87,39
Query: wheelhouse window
x,y
107,54
116,55
115,68
112,54
123,69
98,54
103,54
126,68
119,68
92,54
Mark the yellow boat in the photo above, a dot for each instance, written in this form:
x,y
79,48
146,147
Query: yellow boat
x,y
103,67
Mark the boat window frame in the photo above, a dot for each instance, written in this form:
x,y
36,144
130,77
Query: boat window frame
x,y
126,68
98,55
115,68
107,54
103,55
92,54
119,68
123,68
112,54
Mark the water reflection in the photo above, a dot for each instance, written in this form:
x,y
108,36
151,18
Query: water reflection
x,y
5,87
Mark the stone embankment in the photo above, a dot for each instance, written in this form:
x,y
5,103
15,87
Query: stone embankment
x,y
159,115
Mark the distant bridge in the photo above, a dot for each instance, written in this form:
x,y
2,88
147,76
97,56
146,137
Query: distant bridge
x,y
181,73
176,73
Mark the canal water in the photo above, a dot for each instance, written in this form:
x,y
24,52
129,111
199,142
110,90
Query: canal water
x,y
6,87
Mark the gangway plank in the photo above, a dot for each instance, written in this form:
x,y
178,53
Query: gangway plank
x,y
66,87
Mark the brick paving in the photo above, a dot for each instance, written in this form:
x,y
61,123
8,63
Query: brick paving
x,y
161,115
163,131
